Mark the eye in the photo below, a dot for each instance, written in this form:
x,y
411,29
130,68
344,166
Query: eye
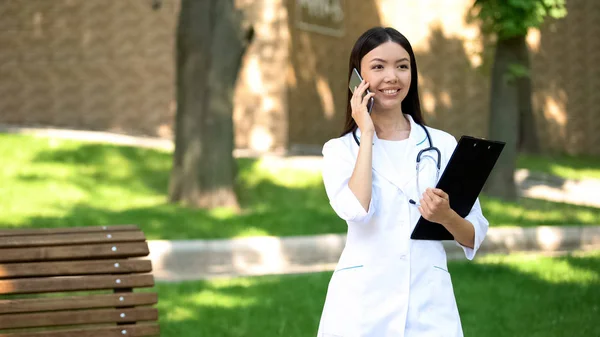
x,y
403,66
377,66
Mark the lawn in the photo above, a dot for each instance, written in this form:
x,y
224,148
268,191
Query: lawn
x,y
512,296
59,183
564,166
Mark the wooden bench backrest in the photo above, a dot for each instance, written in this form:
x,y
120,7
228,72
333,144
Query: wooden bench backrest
x,y
76,282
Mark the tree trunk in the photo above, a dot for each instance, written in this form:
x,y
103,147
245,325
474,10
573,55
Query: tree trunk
x,y
211,41
504,119
528,138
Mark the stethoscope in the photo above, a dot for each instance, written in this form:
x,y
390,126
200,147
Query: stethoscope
x,y
419,157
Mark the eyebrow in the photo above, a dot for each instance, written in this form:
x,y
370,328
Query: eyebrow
x,y
384,61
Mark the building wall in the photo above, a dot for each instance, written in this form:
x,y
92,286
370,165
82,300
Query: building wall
x,y
94,64
454,62
453,94
566,80
109,65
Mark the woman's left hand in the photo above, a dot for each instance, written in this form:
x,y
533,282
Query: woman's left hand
x,y
435,206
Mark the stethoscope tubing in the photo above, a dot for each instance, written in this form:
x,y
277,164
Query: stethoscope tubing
x,y
430,148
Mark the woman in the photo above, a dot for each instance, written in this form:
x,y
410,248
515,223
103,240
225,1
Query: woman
x,y
386,284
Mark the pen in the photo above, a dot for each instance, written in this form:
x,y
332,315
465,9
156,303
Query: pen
x,y
414,202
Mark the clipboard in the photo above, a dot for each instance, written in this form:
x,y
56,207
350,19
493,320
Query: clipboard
x,y
463,179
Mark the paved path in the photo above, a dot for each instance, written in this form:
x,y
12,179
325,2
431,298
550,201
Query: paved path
x,y
204,259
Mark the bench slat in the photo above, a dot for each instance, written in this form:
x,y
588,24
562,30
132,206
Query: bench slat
x,y
67,230
58,284
69,239
75,252
131,330
16,270
78,317
77,302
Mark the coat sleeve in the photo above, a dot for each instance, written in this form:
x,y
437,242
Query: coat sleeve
x,y
338,165
475,216
480,224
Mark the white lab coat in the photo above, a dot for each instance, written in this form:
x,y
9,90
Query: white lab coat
x,y
386,284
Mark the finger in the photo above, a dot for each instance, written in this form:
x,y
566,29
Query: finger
x,y
365,100
429,195
425,206
441,193
435,201
354,93
358,92
363,87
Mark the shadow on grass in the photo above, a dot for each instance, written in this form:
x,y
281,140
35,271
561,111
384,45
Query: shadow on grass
x,y
115,185
262,306
129,185
533,300
296,213
587,166
527,212
112,165
494,300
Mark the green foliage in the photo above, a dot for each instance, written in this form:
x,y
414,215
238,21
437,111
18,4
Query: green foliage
x,y
509,18
516,71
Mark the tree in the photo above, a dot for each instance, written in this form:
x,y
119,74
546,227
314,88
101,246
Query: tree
x,y
212,37
511,114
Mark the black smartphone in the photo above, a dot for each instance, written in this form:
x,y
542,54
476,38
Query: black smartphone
x,y
355,81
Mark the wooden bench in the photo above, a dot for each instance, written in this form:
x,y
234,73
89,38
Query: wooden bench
x,y
80,282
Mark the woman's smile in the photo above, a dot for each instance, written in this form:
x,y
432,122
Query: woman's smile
x,y
391,93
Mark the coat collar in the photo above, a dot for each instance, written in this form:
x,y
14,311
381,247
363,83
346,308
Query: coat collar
x,y
383,165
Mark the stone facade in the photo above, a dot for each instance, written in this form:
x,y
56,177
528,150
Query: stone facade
x,y
109,65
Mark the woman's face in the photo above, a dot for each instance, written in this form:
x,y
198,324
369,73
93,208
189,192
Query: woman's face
x,y
387,69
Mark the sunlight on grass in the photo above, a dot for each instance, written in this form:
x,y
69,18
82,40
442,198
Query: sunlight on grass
x,y
252,231
244,282
531,212
178,314
545,268
222,213
61,183
565,166
216,299
212,295
516,296
280,172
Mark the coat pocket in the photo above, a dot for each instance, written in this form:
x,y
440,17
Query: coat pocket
x,y
440,283
342,312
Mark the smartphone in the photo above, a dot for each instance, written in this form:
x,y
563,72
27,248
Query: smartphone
x,y
355,81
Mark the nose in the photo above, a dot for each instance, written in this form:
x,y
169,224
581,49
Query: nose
x,y
390,77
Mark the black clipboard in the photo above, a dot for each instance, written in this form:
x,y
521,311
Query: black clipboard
x,y
467,171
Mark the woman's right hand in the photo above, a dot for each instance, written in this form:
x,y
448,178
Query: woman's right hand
x,y
360,113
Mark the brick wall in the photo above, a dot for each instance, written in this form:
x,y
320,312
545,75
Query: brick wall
x,y
94,64
108,65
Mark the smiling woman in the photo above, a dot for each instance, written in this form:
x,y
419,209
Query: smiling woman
x,y
384,280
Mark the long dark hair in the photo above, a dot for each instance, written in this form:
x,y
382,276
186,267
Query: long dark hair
x,y
370,40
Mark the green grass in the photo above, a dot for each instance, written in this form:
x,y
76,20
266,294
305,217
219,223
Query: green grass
x,y
564,166
512,296
59,183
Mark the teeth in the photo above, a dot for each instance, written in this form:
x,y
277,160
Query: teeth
x,y
390,92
